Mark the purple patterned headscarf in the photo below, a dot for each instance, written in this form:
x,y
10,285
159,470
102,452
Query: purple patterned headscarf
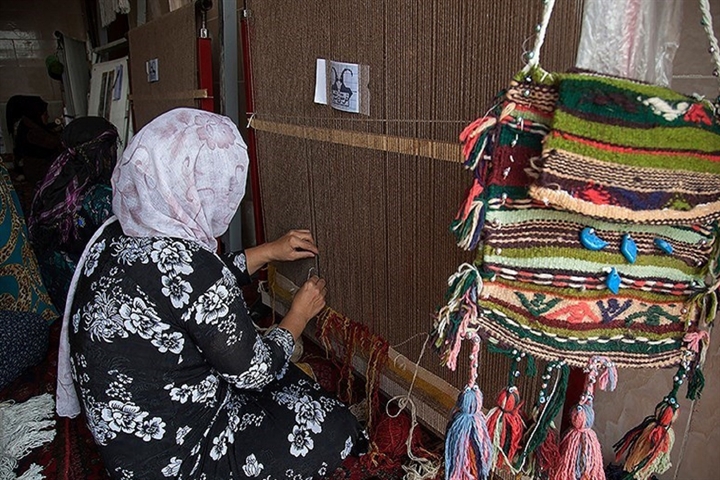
x,y
183,175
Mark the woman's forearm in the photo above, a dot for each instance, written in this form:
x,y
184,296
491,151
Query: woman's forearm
x,y
257,257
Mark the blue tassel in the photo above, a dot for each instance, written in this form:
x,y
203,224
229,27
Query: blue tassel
x,y
468,448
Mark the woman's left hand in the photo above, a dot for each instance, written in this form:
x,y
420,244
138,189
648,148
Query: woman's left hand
x,y
294,245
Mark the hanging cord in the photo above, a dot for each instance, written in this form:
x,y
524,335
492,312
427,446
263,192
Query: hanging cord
x,y
707,24
533,56
422,468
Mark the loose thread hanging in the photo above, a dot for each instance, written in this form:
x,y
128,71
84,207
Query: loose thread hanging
x,y
468,448
459,313
419,468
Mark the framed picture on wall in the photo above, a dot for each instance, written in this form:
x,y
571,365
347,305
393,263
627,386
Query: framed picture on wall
x,y
109,97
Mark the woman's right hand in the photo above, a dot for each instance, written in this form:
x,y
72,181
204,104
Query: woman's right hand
x,y
308,302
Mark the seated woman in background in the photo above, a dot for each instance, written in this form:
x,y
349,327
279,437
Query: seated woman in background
x,y
35,142
174,379
72,201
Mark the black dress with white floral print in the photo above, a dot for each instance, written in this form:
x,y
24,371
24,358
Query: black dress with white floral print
x,y
176,383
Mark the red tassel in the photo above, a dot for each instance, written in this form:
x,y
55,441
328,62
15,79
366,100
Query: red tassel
x,y
647,446
547,455
506,427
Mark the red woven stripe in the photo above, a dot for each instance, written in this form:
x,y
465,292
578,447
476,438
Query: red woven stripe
x,y
609,147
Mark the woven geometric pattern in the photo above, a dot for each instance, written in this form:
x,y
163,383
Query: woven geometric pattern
x,y
628,151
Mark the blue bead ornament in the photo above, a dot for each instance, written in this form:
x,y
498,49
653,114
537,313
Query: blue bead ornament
x,y
613,281
628,248
590,240
663,245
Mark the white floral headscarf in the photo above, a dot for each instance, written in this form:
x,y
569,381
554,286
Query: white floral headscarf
x,y
183,175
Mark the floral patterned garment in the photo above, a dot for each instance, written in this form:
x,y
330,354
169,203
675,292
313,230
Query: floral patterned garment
x,y
174,380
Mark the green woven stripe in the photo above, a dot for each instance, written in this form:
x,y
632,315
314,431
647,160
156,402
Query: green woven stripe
x,y
532,116
551,262
600,257
634,159
514,193
610,346
588,293
586,81
658,138
685,235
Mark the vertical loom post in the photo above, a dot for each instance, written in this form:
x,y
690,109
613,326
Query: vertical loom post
x,y
251,141
204,59
205,80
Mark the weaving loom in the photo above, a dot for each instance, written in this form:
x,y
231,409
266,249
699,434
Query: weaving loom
x,y
379,191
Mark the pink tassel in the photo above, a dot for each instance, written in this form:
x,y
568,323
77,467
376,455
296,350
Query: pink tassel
x,y
580,451
581,455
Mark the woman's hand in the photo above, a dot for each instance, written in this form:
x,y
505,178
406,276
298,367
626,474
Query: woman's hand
x,y
308,302
294,245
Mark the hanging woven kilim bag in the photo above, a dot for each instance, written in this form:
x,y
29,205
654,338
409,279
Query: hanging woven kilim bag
x,y
568,288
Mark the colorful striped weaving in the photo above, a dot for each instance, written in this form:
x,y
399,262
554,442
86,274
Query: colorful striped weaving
x,y
628,151
593,249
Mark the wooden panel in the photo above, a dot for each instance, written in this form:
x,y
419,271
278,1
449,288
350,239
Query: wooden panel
x,y
172,40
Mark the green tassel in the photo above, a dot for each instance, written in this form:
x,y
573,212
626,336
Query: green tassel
x,y
531,367
554,403
696,385
711,307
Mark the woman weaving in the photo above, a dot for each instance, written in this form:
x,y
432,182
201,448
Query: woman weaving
x,y
173,379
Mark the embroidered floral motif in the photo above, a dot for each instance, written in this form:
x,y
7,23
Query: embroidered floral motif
x,y
665,109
